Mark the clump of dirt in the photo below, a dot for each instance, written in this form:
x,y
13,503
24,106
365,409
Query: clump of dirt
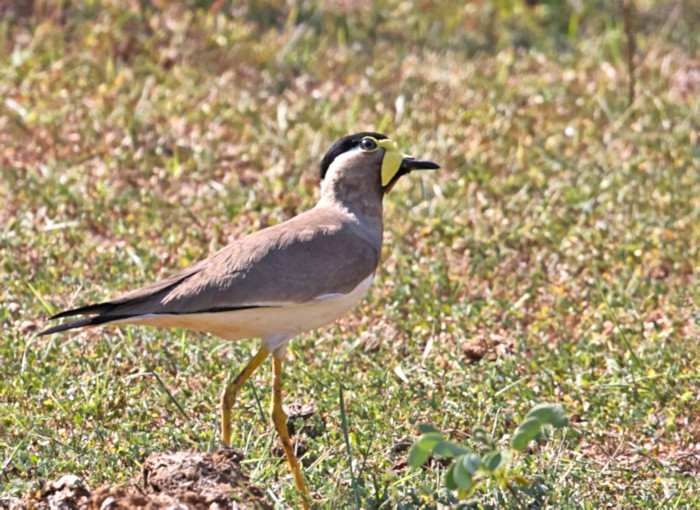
x,y
179,481
491,347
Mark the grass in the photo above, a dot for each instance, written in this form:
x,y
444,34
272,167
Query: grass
x,y
559,242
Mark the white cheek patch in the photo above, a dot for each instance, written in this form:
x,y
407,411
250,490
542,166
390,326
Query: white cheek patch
x,y
338,163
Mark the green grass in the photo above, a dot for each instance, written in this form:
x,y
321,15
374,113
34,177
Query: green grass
x,y
561,235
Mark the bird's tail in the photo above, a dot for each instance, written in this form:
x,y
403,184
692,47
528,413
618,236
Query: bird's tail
x,y
98,310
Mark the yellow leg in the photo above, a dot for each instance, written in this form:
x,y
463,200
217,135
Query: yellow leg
x,y
228,397
280,421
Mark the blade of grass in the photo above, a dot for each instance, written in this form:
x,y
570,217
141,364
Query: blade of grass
x,y
44,304
150,370
257,400
613,316
344,423
14,451
369,448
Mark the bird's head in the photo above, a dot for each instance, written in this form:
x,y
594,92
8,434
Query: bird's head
x,y
367,160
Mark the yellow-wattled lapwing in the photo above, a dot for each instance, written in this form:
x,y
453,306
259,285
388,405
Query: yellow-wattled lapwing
x,y
280,281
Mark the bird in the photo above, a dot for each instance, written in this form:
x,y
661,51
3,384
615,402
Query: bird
x,y
280,281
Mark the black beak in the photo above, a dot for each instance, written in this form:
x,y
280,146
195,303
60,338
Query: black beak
x,y
409,164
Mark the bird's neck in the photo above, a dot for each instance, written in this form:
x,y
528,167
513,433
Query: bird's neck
x,y
356,195
364,209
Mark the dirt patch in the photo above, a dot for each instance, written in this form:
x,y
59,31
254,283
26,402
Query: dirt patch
x,y
672,453
490,346
180,480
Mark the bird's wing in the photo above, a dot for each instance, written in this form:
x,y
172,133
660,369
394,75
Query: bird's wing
x,y
313,255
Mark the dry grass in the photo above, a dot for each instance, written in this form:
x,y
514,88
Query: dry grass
x,y
136,138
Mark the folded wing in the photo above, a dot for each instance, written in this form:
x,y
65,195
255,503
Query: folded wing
x,y
315,254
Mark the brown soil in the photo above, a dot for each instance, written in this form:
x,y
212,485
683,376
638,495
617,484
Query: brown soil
x,y
179,481
487,346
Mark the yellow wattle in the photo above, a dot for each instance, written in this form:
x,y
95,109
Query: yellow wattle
x,y
391,162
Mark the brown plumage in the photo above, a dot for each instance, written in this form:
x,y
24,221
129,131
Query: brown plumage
x,y
332,248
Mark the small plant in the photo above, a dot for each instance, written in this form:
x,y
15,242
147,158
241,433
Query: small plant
x,y
472,468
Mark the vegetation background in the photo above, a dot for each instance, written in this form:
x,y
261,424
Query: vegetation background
x,y
553,258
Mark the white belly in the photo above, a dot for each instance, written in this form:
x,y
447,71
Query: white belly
x,y
288,319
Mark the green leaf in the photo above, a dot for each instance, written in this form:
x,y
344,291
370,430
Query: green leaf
x,y
549,414
493,460
471,462
417,457
462,477
428,441
527,431
425,429
421,450
480,435
450,478
449,449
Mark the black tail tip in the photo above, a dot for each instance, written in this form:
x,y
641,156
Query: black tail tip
x,y
68,325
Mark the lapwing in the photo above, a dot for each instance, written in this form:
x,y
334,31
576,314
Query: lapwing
x,y
281,281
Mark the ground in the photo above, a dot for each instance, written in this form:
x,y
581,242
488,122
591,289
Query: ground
x,y
555,256
191,479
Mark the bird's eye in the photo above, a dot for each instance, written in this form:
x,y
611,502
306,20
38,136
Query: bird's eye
x,y
367,144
